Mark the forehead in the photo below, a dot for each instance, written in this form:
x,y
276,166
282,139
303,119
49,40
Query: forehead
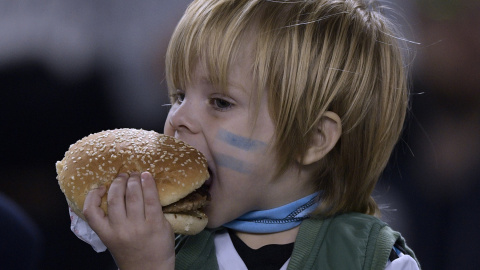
x,y
221,66
239,77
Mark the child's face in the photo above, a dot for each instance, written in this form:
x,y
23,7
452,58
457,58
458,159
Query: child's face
x,y
237,147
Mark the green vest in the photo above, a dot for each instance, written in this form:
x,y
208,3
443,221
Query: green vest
x,y
347,241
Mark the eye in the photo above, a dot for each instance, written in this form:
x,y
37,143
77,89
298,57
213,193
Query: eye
x,y
220,104
177,97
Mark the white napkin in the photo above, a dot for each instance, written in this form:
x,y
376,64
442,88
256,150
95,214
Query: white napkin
x,y
83,231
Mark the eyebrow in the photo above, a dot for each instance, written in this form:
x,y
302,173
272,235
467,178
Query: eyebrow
x,y
240,142
205,80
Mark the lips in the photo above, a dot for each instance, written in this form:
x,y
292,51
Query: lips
x,y
209,181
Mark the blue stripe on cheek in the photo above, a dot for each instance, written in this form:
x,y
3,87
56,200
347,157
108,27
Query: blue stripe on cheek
x,y
232,163
238,141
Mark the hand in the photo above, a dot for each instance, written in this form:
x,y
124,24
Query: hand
x,y
135,230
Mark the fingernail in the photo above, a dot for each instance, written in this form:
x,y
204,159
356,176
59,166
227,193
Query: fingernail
x,y
143,177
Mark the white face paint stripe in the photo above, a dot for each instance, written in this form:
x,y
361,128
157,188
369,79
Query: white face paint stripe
x,y
240,142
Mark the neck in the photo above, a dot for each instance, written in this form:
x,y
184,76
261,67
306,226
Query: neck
x,y
258,240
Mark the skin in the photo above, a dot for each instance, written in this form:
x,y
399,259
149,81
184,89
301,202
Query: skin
x,y
238,148
242,164
135,230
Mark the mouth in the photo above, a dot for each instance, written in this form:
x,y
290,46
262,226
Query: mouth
x,y
209,181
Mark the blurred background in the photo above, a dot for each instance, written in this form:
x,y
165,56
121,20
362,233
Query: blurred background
x,y
67,69
432,186
70,68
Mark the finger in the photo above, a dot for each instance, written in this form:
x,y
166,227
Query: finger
x,y
153,208
94,215
116,199
134,198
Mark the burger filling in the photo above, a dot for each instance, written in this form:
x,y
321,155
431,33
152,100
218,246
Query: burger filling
x,y
194,201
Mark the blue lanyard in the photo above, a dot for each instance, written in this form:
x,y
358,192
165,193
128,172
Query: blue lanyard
x,y
277,219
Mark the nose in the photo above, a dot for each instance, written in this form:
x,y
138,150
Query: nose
x,y
182,118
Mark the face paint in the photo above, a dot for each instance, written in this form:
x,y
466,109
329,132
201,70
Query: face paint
x,y
240,142
233,163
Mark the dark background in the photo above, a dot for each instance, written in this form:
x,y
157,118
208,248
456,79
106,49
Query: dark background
x,y
68,69
71,68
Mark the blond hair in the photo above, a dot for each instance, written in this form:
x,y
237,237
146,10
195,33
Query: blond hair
x,y
310,57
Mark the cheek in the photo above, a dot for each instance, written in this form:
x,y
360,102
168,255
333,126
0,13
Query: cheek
x,y
237,163
230,199
239,153
242,143
168,128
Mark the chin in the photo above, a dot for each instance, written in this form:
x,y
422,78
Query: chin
x,y
215,218
212,220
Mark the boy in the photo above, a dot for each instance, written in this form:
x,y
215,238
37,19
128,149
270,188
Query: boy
x,y
297,106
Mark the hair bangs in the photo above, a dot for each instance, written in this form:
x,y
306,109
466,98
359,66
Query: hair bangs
x,y
211,35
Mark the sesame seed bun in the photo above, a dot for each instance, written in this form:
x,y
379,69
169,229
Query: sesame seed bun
x,y
178,170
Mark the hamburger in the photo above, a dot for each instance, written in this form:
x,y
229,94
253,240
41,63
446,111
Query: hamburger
x,y
180,172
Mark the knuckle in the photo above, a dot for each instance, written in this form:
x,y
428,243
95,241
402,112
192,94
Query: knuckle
x,y
87,213
132,194
113,201
151,201
132,197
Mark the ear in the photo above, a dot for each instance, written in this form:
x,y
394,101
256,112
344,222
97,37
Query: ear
x,y
326,135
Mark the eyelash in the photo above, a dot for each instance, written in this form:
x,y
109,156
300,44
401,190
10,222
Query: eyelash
x,y
177,97
218,104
